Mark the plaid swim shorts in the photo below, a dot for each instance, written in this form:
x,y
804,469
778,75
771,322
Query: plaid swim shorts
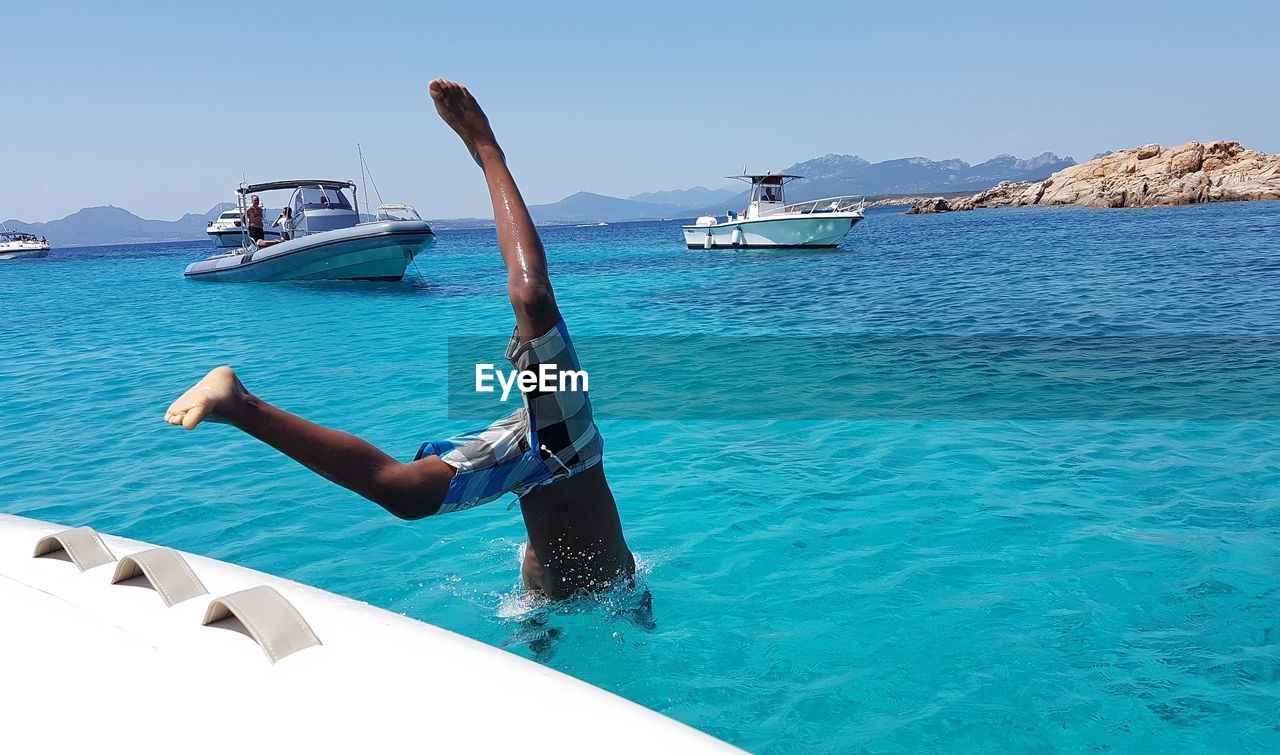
x,y
552,437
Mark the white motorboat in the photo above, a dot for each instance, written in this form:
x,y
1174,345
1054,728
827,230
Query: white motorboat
x,y
16,245
321,238
769,222
227,230
115,645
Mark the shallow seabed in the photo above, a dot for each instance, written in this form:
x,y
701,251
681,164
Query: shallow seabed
x,y
840,585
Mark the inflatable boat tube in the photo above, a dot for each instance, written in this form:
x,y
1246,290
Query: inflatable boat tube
x,y
113,645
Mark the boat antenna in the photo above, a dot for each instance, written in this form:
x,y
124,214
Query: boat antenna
x,y
364,170
363,184
244,220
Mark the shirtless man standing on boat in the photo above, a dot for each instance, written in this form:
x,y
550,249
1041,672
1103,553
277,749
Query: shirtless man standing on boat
x,y
253,219
549,452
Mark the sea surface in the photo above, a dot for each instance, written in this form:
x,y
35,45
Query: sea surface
x,y
1008,581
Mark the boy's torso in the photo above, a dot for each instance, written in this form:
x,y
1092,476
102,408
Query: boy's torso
x,y
576,534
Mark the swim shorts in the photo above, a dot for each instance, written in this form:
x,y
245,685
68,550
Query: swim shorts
x,y
552,437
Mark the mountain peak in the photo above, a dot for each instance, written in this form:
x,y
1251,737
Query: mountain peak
x,y
829,164
848,159
684,198
102,211
1045,159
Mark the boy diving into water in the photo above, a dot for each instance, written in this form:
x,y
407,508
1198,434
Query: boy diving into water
x,y
548,453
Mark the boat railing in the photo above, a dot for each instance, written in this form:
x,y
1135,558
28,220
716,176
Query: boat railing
x,y
818,206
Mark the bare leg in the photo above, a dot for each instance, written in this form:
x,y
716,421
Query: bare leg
x,y
410,491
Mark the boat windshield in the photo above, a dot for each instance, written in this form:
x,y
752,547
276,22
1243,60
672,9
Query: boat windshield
x,y
397,212
230,215
770,193
318,198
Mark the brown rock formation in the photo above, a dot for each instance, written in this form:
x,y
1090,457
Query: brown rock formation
x,y
926,206
1148,176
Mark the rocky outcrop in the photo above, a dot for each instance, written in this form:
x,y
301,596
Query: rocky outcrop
x,y
1003,194
927,206
903,201
910,200
1148,176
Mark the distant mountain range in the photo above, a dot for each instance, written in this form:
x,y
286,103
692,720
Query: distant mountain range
x,y
826,176
92,226
113,225
585,207
683,198
833,175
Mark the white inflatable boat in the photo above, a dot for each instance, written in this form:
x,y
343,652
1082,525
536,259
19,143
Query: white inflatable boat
x,y
111,645
322,237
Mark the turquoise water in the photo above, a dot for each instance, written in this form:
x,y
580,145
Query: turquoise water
x,y
839,585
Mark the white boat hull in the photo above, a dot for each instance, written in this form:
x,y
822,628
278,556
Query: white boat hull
x,y
24,254
817,230
96,667
369,251
22,250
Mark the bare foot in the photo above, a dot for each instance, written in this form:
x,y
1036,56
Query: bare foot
x,y
216,398
460,110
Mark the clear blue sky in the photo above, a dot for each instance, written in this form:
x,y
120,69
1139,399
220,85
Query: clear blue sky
x,y
161,108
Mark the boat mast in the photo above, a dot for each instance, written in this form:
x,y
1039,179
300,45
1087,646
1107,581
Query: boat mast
x,y
363,183
244,218
364,170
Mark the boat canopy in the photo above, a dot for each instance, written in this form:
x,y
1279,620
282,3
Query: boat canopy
x,y
768,179
276,185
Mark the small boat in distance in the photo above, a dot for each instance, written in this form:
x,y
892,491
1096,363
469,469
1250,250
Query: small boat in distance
x,y
227,230
769,222
321,238
17,245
